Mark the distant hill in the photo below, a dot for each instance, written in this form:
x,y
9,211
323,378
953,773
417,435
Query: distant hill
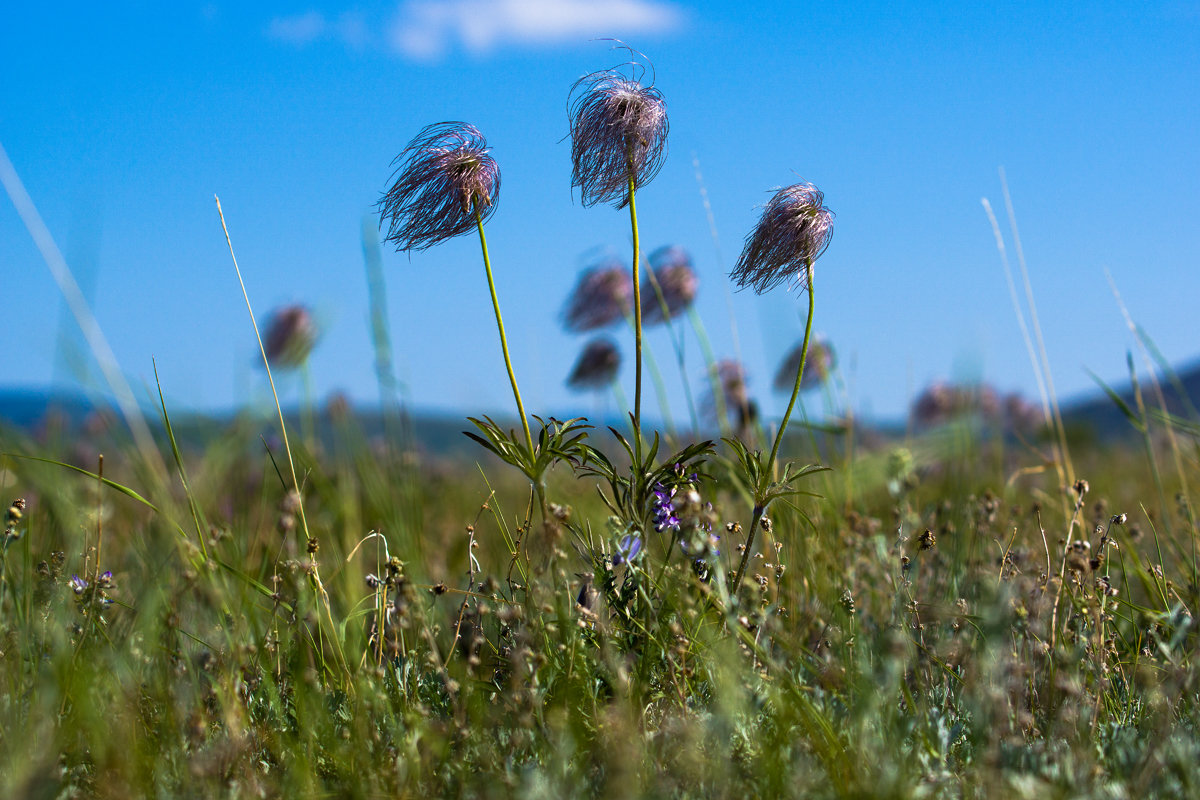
x,y
26,408
1098,413
433,432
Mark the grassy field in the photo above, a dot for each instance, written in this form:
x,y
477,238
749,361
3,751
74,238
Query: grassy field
x,y
986,606
947,618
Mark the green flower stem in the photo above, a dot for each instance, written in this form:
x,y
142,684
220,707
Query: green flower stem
x,y
637,317
660,386
512,378
760,506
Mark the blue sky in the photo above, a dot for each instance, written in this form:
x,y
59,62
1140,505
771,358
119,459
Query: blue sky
x,y
124,119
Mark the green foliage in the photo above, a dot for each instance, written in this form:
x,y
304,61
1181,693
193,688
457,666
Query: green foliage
x,y
866,658
556,441
629,491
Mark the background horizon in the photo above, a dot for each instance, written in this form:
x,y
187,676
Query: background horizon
x,y
123,122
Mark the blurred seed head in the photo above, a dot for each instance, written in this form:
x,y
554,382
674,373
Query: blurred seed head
x,y
1020,414
733,381
603,295
676,277
597,365
291,335
820,363
794,230
731,376
618,128
943,402
442,179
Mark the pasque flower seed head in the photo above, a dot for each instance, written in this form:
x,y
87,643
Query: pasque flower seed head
x,y
444,179
618,131
603,295
794,231
597,365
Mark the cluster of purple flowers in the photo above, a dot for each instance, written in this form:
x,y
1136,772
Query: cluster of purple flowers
x,y
92,595
677,505
665,518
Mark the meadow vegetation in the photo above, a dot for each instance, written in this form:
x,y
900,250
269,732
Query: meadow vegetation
x,y
981,606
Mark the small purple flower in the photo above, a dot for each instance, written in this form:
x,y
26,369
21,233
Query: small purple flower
x,y
78,584
627,549
794,231
445,179
665,518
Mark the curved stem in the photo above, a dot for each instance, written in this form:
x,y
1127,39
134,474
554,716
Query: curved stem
x,y
760,503
512,378
637,317
799,372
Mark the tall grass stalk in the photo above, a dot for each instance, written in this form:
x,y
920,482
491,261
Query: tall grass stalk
x,y
1044,394
267,366
75,300
1172,440
1037,331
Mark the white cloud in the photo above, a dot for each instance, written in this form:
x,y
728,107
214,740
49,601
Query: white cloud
x,y
350,29
426,29
298,30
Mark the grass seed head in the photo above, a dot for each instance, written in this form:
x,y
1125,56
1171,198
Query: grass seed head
x,y
443,178
794,231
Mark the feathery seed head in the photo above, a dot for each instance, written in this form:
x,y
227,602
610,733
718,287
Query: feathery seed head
x,y
820,362
733,382
794,231
734,386
597,365
443,178
676,278
603,295
618,129
291,335
943,402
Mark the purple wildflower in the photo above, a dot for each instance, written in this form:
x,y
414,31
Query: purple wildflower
x,y
78,584
627,549
663,506
444,181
